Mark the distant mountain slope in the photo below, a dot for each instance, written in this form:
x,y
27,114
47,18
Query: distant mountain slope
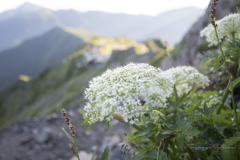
x,y
39,53
30,20
63,85
17,26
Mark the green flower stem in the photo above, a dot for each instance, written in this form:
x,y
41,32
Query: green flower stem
x,y
76,148
224,57
230,80
233,101
225,94
140,129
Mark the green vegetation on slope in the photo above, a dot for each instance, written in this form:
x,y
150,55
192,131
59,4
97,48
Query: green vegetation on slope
x,y
39,53
62,85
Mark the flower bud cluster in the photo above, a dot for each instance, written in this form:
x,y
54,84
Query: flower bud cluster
x,y
213,11
185,77
158,117
67,120
212,103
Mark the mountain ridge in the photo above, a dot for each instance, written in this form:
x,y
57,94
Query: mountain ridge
x,y
24,25
39,53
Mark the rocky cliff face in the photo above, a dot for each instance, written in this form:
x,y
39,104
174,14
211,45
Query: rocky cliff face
x,y
43,139
190,49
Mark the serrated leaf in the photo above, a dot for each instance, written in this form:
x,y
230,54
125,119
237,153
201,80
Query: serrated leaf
x,y
105,154
70,137
109,124
141,133
89,128
186,126
220,119
190,109
193,132
205,109
180,138
170,126
234,83
220,129
150,133
167,132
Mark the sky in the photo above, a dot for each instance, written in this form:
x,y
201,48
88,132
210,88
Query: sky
x,y
135,7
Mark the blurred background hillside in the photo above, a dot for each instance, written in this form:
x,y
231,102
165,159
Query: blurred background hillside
x,y
48,55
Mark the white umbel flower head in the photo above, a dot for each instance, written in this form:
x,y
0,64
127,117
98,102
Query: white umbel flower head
x,y
227,26
185,77
117,92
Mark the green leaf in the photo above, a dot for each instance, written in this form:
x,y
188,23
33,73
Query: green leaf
x,y
70,137
232,141
220,129
185,158
186,125
180,138
151,125
167,132
234,83
227,154
94,154
220,119
238,10
89,128
82,113
185,96
109,124
170,126
150,133
105,154
190,109
141,133
193,132
151,154
85,122
237,134
205,109
159,137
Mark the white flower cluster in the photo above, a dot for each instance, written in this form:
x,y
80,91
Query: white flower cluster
x,y
117,91
185,77
227,26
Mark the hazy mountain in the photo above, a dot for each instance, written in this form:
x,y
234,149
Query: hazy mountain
x,y
30,20
63,85
39,53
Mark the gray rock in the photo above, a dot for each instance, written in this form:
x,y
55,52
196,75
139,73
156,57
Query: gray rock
x,y
43,135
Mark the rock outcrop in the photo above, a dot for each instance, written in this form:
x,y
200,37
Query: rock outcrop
x,y
190,49
43,139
